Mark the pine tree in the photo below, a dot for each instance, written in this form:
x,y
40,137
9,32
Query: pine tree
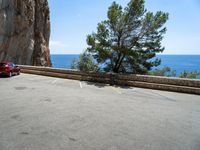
x,y
128,40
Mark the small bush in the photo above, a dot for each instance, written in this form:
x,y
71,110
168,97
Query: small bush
x,y
85,63
166,71
191,75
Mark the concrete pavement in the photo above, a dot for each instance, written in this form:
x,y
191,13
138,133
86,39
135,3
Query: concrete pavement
x,y
44,113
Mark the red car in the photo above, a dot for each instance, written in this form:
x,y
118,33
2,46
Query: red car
x,y
9,69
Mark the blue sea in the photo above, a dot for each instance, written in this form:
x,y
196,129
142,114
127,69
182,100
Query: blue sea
x,y
176,62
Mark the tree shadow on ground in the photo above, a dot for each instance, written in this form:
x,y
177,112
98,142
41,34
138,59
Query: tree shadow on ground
x,y
97,84
102,85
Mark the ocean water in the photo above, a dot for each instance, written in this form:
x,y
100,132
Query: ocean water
x,y
176,62
63,61
180,63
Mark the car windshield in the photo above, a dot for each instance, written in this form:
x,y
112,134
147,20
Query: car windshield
x,y
2,64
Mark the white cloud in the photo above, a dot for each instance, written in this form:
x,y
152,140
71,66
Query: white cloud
x,y
58,43
57,47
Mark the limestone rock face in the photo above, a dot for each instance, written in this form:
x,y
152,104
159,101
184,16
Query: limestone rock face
x,y
25,32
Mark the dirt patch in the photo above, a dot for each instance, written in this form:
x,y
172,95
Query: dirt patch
x,y
15,117
24,133
72,139
20,88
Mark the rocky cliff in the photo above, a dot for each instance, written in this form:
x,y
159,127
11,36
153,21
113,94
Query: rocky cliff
x,y
25,32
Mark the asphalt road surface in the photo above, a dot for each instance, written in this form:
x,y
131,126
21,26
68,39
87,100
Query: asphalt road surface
x,y
44,113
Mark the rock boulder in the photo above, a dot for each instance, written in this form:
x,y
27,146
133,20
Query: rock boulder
x,y
25,32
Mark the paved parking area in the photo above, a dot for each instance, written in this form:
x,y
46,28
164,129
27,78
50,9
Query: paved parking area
x,y
44,113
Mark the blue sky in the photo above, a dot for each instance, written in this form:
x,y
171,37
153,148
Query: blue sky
x,y
73,20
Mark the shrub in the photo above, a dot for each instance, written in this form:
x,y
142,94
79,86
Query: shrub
x,y
188,74
85,63
166,71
